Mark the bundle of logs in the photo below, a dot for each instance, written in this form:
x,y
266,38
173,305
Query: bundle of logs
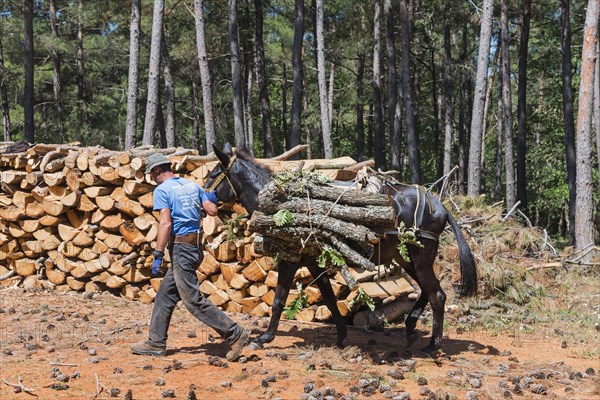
x,y
80,218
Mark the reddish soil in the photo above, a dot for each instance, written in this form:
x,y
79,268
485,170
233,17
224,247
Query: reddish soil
x,y
88,339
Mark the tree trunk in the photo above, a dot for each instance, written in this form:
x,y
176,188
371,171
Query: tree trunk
x,y
392,88
236,77
448,88
486,107
477,117
28,95
568,113
152,102
522,107
379,148
360,120
597,107
435,104
584,218
169,95
284,127
497,188
209,122
331,92
265,105
196,115
134,64
414,158
323,94
248,115
4,96
507,102
81,95
56,69
297,90
248,67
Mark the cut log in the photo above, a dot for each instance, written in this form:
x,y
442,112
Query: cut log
x,y
271,279
254,272
105,203
25,266
236,295
144,221
209,264
130,292
112,223
147,296
268,297
50,220
136,189
67,232
207,287
130,207
56,276
249,303
233,307
131,234
261,310
218,298
115,282
85,204
322,313
258,289
96,191
95,287
306,315
75,284
228,270
53,207
29,225
225,252
146,200
238,281
210,225
11,213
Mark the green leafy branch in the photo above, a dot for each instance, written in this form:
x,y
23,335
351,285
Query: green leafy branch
x,y
330,257
363,298
298,304
283,218
407,236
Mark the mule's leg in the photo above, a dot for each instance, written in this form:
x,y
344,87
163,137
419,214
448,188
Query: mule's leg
x,y
286,272
423,259
330,301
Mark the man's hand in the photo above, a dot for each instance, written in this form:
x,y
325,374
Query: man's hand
x,y
158,259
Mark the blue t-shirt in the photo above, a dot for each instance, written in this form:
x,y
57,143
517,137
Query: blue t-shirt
x,y
184,198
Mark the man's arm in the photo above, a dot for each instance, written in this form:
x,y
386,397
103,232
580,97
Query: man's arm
x,y
210,208
164,229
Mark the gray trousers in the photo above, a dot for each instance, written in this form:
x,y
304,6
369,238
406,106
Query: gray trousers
x,y
181,283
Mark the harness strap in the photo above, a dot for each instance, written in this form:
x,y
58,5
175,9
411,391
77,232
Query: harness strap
x,y
223,175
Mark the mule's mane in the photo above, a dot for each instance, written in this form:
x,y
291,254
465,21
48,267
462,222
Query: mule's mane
x,y
247,157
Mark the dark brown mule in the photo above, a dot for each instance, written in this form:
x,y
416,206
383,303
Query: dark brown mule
x,y
240,177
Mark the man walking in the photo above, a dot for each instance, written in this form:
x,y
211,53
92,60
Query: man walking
x,y
180,202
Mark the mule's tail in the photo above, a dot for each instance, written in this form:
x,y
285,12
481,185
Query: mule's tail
x,y
468,270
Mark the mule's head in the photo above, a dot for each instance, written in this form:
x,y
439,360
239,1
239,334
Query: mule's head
x,y
236,177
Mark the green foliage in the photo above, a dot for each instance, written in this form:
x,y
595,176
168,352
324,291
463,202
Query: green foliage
x,y
362,298
330,257
298,304
406,237
283,218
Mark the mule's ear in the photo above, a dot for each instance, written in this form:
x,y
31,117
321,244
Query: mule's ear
x,y
223,158
227,149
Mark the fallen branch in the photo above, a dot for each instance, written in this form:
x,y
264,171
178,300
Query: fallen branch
x,y
19,386
63,364
543,266
289,153
99,387
511,210
7,275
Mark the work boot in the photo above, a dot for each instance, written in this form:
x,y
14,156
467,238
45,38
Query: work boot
x,y
146,349
238,345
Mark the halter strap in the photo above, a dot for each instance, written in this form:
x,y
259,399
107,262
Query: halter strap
x,y
223,175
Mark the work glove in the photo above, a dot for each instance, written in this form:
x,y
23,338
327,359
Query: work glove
x,y
212,196
158,259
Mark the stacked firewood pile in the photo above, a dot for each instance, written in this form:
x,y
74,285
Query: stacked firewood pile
x,y
80,218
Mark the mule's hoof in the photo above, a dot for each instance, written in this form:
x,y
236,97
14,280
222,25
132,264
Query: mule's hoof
x,y
254,346
410,340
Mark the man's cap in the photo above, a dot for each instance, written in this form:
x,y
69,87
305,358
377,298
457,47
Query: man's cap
x,y
154,160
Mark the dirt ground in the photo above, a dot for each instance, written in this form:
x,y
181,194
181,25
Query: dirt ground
x,y
67,345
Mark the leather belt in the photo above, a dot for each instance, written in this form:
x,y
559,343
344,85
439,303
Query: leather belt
x,y
190,238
